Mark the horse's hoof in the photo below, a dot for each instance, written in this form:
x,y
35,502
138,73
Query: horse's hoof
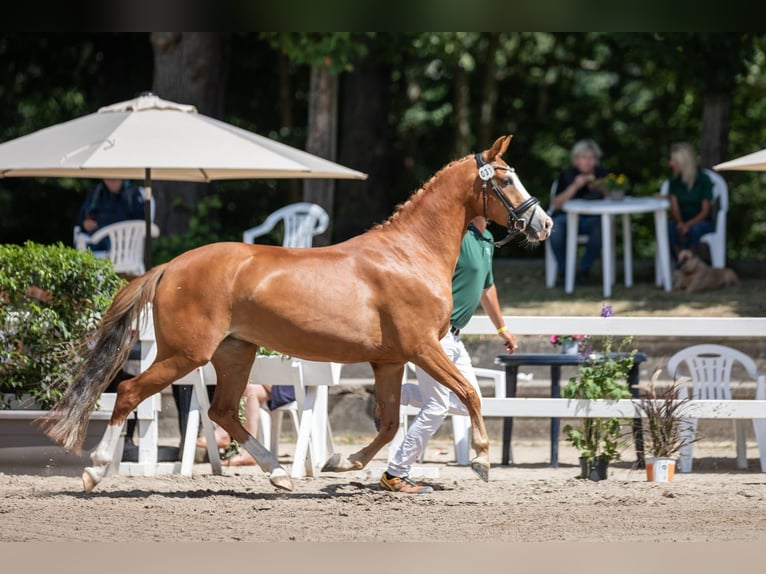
x,y
282,482
481,468
337,463
88,481
333,463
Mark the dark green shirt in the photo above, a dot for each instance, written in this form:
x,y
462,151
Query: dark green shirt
x,y
690,200
473,274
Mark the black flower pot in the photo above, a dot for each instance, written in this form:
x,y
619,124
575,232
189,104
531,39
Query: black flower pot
x,y
594,470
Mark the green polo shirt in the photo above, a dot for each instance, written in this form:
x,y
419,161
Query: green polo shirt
x,y
690,200
473,274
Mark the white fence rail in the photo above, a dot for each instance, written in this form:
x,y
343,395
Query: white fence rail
x,y
709,327
626,408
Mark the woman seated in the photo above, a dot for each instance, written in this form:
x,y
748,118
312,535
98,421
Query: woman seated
x,y
691,194
584,180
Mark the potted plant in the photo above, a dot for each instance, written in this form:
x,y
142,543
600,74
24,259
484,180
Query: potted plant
x,y
51,298
599,441
616,185
570,344
662,410
602,375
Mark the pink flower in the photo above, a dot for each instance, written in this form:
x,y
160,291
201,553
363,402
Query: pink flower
x,y
554,339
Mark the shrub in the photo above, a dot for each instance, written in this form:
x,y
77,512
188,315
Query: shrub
x,y
51,296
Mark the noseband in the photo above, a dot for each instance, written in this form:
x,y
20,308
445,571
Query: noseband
x,y
516,223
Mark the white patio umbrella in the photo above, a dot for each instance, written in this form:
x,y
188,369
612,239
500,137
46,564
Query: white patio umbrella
x,y
750,162
152,138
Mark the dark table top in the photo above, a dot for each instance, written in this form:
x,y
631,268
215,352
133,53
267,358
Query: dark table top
x,y
553,359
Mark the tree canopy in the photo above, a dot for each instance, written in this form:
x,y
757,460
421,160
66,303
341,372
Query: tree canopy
x,y
407,104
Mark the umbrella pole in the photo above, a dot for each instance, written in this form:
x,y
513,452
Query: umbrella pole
x,y
148,218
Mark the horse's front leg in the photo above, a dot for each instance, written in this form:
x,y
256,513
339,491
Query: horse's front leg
x,y
388,389
436,363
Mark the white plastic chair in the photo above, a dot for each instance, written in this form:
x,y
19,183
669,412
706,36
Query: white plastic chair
x,y
127,244
311,449
302,221
461,424
709,367
716,240
77,231
551,267
321,374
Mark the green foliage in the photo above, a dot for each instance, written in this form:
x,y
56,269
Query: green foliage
x,y
635,93
51,297
334,50
601,376
203,229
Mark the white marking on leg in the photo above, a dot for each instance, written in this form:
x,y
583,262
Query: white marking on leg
x,y
262,456
103,454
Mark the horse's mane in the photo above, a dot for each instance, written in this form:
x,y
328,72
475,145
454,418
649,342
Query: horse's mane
x,y
416,197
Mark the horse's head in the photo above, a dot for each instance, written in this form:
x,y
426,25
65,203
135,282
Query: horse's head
x,y
505,200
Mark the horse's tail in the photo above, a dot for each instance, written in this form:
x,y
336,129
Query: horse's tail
x,y
107,351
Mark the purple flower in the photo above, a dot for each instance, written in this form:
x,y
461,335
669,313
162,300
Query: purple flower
x,y
607,310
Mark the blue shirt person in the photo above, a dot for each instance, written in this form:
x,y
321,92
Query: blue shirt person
x,y
111,201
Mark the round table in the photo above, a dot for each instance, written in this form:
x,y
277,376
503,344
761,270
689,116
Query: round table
x,y
607,209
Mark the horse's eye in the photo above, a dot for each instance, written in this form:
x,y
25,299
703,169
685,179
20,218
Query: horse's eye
x,y
506,181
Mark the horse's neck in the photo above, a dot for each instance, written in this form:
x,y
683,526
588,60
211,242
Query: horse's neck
x,y
434,219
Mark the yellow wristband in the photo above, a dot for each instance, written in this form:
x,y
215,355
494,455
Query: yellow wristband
x,y
502,330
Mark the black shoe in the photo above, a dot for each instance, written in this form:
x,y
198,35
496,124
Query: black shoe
x,y
583,278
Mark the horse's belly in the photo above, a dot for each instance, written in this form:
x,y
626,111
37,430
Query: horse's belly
x,y
319,330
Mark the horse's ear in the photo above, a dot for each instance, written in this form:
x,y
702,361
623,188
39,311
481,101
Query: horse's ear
x,y
498,148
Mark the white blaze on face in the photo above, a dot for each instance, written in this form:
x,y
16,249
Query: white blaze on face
x,y
518,185
537,212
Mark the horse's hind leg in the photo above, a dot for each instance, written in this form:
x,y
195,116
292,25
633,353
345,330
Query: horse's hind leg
x,y
388,389
129,394
233,361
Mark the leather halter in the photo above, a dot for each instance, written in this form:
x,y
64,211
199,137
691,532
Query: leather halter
x,y
516,223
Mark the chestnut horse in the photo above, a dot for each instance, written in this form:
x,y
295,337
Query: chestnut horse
x,y
383,297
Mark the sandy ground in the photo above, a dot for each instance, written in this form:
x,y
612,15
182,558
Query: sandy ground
x,y
528,501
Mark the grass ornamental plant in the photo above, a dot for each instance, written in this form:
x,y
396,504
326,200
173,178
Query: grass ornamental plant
x,y
663,417
51,296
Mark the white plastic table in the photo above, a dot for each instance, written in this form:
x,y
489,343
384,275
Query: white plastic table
x,y
607,209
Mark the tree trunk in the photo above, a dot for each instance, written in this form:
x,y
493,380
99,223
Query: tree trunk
x,y
286,117
462,113
321,140
364,145
716,115
489,94
189,68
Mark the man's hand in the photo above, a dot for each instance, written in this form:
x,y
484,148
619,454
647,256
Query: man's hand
x,y
509,340
90,225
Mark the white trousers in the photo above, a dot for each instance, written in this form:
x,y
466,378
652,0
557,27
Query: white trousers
x,y
435,401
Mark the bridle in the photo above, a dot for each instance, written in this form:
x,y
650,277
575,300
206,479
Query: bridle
x,y
516,223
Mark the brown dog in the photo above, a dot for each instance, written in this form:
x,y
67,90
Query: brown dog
x,y
693,274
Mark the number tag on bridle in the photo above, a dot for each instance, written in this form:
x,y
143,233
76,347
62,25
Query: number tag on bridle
x,y
486,172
